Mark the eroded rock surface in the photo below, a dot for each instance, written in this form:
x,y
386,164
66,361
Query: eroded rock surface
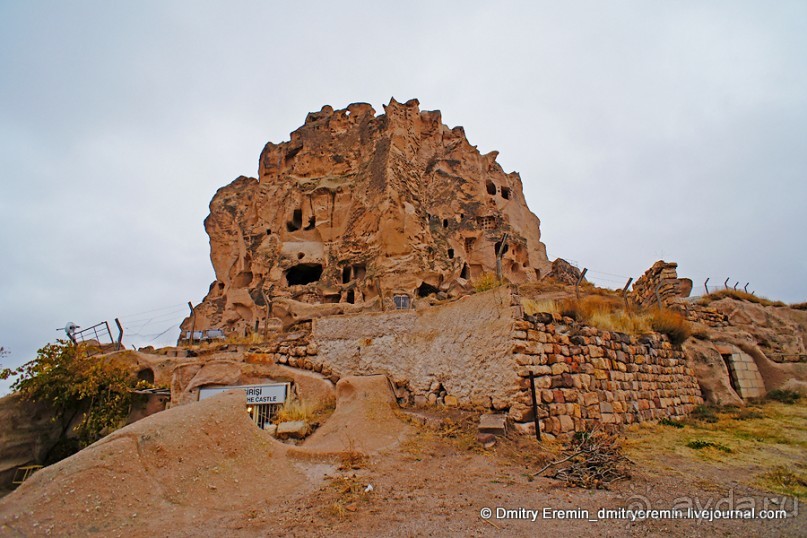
x,y
357,208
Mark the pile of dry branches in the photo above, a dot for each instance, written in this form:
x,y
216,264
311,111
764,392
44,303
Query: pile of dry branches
x,y
591,460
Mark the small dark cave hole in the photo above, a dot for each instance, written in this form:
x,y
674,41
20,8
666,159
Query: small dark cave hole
x,y
304,273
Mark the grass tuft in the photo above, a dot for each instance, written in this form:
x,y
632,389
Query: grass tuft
x,y
670,422
699,444
785,396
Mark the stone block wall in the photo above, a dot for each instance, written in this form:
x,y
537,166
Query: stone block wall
x,y
701,314
586,376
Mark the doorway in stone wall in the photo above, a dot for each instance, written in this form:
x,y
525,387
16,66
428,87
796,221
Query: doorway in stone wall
x,y
733,380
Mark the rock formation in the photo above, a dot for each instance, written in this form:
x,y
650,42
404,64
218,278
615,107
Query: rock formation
x,y
660,286
357,211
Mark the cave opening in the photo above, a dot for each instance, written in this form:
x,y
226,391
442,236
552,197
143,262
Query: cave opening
x,y
296,221
350,297
146,374
312,223
491,187
466,272
506,193
424,290
304,273
451,254
346,274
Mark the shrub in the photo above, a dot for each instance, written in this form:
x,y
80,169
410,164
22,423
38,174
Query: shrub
x,y
784,396
672,324
71,383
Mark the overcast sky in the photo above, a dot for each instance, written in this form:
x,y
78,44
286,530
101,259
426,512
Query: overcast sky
x,y
642,130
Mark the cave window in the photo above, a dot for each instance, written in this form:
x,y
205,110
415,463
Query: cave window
x,y
466,272
451,254
491,187
424,290
506,193
359,271
146,374
538,274
346,274
304,273
486,223
296,221
401,302
497,246
268,231
351,296
445,223
300,255
312,222
332,298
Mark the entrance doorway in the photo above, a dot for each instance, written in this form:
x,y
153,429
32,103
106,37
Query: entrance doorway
x,y
262,414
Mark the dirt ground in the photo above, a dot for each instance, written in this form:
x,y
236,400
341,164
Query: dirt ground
x,y
426,480
437,485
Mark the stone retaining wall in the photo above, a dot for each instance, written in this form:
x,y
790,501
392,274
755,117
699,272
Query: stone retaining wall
x,y
586,376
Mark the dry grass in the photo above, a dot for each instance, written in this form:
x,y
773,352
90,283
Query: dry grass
x,y
672,324
532,307
313,413
786,480
740,296
762,438
799,306
621,321
351,493
609,313
486,281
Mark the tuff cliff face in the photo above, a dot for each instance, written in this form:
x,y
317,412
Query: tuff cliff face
x,y
358,210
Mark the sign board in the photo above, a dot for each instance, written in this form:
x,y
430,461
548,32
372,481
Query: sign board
x,y
256,394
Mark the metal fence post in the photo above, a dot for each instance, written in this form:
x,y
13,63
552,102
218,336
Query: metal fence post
x,y
579,280
120,334
625,293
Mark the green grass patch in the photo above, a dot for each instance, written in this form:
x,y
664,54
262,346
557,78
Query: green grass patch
x,y
671,422
785,396
699,444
